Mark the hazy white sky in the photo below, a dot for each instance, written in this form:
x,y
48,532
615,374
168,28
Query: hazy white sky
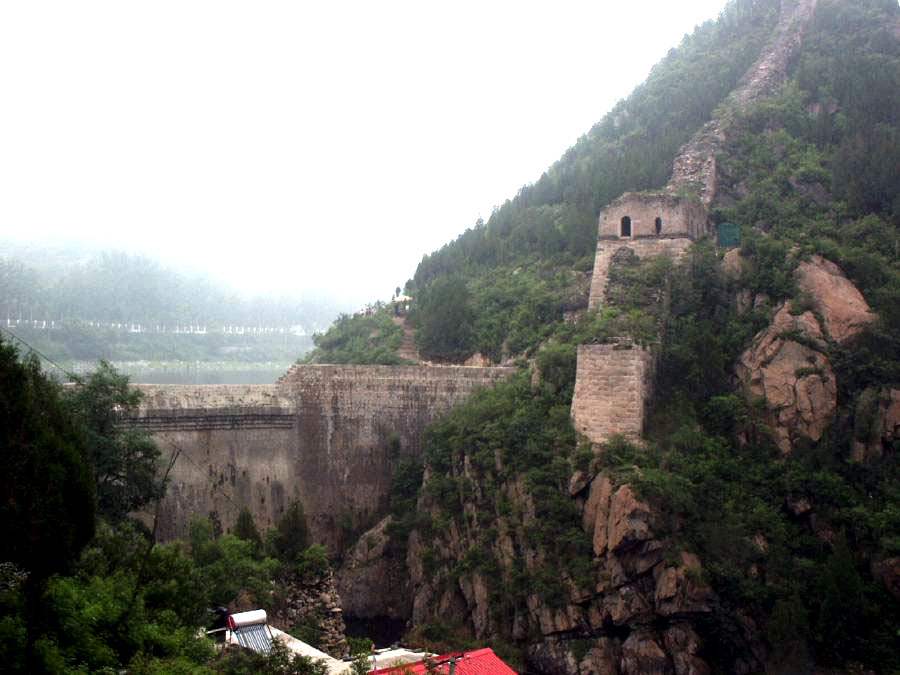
x,y
287,145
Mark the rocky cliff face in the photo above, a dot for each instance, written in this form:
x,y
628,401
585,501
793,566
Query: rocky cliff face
x,y
788,365
373,580
630,612
637,600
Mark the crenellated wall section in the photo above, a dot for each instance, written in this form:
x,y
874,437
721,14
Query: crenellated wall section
x,y
328,436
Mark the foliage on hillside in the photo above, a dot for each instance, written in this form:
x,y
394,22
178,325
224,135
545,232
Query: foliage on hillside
x,y
812,170
816,166
502,313
505,434
367,337
724,490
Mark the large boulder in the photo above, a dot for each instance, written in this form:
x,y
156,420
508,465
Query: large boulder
x,y
843,309
786,366
629,520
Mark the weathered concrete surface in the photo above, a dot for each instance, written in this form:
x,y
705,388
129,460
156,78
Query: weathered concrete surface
x,y
612,387
328,436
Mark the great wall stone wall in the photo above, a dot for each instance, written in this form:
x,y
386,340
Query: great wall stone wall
x,y
612,384
329,436
674,248
694,168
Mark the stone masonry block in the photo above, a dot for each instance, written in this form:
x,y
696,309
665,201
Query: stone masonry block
x,y
612,387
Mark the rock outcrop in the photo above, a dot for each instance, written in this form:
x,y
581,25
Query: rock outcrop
x,y
634,616
370,568
787,367
844,311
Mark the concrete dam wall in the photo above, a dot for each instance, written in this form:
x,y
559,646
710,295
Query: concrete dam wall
x,y
329,436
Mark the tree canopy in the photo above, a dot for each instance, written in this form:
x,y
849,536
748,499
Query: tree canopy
x,y
47,491
124,460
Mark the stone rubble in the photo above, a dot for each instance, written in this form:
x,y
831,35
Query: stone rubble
x,y
315,602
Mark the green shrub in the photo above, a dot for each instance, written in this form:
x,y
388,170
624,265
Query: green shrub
x,y
313,563
290,536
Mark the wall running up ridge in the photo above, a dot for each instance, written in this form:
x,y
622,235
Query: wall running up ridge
x,y
329,436
613,385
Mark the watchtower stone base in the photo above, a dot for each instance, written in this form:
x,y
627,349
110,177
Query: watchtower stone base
x,y
613,383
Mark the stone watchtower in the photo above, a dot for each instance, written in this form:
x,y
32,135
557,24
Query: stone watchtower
x,y
614,381
648,223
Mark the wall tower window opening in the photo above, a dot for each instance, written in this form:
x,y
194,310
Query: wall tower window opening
x,y
658,225
626,226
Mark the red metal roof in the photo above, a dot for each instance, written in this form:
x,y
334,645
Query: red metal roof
x,y
478,662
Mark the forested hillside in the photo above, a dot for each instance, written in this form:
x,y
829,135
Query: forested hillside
x,y
796,550
830,164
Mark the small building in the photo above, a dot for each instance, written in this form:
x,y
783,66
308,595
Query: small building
x,y
477,662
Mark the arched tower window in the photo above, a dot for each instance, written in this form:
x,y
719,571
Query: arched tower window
x,y
626,226
658,225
